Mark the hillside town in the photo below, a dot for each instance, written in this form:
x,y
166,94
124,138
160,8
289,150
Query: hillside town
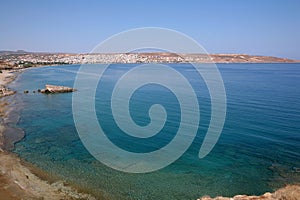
x,y
22,59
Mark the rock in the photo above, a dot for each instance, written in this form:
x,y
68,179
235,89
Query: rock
x,y
289,192
5,92
56,89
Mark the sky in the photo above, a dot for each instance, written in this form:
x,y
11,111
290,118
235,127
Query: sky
x,y
256,27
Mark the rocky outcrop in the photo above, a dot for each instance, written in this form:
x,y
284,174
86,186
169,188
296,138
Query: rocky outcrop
x,y
290,192
57,89
6,77
5,92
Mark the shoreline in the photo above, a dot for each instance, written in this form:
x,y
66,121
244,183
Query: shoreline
x,y
21,180
7,140
18,178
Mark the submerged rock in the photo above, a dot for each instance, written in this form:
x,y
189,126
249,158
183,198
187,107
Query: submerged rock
x,y
57,89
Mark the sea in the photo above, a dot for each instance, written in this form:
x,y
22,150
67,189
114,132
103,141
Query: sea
x,y
258,149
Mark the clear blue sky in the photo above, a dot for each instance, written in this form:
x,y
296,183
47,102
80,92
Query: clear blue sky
x,y
260,27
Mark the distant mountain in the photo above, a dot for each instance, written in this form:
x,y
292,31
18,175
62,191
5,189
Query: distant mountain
x,y
13,52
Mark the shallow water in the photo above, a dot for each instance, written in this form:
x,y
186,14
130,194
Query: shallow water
x,y
258,151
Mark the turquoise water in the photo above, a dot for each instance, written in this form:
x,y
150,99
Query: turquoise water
x,y
258,151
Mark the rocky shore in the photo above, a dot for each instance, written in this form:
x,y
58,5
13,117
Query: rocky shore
x,y
6,76
289,192
18,179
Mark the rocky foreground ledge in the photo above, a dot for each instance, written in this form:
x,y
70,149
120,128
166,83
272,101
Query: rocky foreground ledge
x,y
289,192
18,180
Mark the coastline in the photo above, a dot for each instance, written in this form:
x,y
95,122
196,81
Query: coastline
x,y
6,142
21,180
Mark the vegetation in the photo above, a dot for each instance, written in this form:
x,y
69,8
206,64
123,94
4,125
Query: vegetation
x,y
27,64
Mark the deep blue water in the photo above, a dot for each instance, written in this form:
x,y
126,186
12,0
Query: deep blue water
x,y
258,151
